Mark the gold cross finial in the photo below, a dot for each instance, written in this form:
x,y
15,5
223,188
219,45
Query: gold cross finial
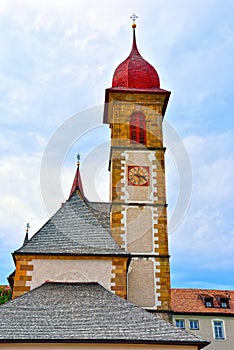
x,y
78,159
27,228
133,18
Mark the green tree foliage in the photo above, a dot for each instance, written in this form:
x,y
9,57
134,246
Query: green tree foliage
x,y
5,295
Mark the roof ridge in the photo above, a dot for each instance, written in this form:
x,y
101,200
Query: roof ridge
x,y
202,289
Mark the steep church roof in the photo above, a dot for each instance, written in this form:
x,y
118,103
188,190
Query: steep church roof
x,y
73,230
84,312
102,211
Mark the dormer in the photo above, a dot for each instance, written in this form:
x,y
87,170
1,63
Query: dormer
x,y
207,300
223,301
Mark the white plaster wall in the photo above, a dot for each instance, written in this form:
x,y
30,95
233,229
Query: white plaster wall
x,y
141,274
139,236
59,270
206,330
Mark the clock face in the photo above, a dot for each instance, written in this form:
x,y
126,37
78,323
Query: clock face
x,y
138,175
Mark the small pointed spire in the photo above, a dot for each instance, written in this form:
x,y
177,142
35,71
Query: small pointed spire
x,y
77,184
26,234
134,44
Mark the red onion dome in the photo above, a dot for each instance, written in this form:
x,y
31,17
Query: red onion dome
x,y
135,72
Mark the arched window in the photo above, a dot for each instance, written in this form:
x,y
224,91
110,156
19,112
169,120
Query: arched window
x,y
138,128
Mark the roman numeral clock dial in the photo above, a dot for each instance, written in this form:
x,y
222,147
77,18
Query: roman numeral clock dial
x,y
138,175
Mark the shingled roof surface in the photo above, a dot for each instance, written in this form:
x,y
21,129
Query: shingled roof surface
x,y
102,212
74,230
84,312
192,301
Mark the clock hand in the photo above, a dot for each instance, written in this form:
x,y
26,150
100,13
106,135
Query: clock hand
x,y
141,176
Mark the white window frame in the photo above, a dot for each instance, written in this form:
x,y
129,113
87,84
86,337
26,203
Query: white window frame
x,y
223,329
192,322
180,320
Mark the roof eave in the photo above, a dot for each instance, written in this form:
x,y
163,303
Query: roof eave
x,y
204,313
200,345
127,255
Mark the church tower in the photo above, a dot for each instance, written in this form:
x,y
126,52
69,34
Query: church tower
x,y
135,107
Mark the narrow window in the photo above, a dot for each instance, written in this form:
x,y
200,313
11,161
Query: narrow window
x,y
133,133
218,328
180,323
138,128
193,324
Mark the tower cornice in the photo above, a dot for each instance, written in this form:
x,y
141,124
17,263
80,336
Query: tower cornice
x,y
122,94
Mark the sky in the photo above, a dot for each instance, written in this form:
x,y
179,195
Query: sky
x,y
58,57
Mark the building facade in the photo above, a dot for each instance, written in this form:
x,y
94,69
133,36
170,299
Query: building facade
x,y
208,313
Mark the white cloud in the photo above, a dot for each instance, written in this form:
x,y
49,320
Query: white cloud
x,y
207,232
20,195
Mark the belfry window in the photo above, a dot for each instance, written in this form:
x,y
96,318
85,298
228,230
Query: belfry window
x,y
138,128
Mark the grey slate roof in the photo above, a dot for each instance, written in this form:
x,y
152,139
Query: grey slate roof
x,y
102,211
84,312
73,230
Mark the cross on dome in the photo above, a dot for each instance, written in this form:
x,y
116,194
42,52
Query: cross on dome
x,y
133,18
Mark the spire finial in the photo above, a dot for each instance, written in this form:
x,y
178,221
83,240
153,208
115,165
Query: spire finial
x,y
26,234
77,184
133,18
78,160
27,227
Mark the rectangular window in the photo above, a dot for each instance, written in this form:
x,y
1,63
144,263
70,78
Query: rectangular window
x,y
224,303
180,323
193,324
137,128
133,133
208,302
218,330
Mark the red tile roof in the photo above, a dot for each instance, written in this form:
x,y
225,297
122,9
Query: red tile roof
x,y
192,300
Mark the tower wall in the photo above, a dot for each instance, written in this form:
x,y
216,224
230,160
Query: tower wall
x,y
139,210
